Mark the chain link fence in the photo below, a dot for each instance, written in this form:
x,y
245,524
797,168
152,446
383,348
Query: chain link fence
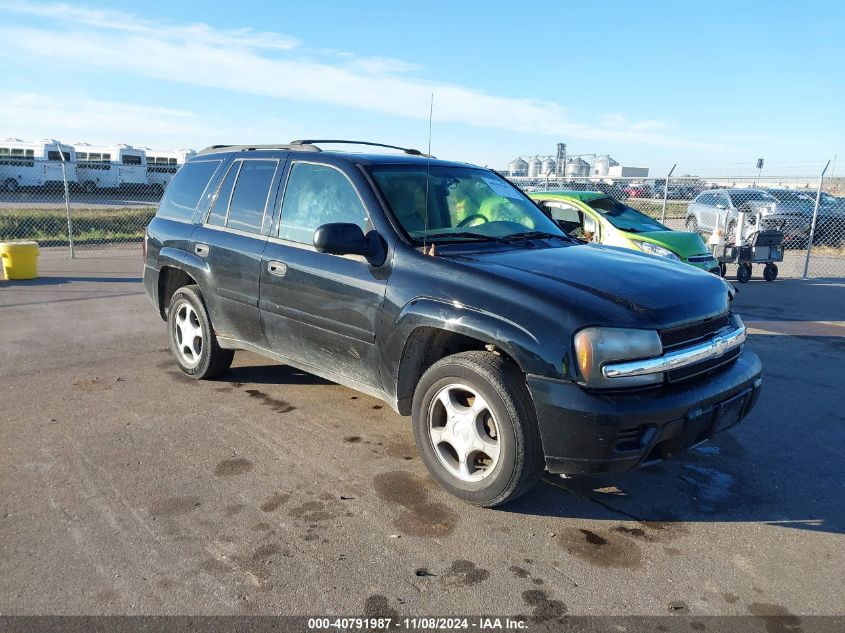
x,y
77,204
809,211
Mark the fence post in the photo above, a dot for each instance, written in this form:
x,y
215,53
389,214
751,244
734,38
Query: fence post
x,y
813,224
666,193
67,203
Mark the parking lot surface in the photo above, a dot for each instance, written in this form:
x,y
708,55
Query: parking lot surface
x,y
129,488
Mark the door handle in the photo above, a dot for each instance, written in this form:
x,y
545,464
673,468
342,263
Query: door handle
x,y
201,250
277,268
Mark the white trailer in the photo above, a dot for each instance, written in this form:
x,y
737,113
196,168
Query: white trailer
x,y
161,166
110,166
37,164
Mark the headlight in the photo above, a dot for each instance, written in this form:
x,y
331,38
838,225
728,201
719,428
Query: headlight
x,y
654,249
595,346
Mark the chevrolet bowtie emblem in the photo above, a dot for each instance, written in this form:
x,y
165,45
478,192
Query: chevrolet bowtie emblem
x,y
720,346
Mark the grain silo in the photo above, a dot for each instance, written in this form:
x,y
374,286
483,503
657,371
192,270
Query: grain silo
x,y
577,168
518,167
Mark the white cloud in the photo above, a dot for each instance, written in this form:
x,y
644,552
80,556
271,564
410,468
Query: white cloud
x,y
85,119
128,23
259,63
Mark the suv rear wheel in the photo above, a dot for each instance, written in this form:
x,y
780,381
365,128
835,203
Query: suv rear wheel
x,y
475,428
192,338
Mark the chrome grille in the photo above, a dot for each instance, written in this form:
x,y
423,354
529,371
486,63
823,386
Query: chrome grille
x,y
676,375
692,333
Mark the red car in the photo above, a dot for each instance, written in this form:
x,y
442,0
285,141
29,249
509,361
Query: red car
x,y
637,191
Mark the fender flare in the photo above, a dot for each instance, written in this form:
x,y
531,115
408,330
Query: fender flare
x,y
511,338
193,265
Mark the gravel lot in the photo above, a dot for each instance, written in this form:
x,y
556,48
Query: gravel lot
x,y
127,488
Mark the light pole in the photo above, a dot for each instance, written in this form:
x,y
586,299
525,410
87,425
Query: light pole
x,y
815,216
666,193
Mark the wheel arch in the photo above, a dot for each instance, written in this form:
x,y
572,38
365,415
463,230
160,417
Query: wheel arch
x,y
428,330
177,269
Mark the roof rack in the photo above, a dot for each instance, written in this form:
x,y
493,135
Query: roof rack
x,y
303,145
313,142
214,149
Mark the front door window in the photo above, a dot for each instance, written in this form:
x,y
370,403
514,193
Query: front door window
x,y
317,195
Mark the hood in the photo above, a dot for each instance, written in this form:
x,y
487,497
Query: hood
x,y
615,284
681,243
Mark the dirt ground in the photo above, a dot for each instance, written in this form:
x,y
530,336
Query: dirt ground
x,y
128,488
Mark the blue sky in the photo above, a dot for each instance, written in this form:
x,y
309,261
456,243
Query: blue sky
x,y
705,85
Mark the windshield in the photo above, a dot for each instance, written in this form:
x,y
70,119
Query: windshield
x,y
464,203
624,217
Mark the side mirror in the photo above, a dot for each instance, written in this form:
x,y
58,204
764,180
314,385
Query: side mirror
x,y
344,238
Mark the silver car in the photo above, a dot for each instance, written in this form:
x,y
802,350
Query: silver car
x,y
720,208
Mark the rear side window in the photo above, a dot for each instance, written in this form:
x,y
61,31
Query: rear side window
x,y
707,198
316,195
185,190
246,210
220,208
242,198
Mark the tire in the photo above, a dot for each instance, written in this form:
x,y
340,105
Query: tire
x,y
187,320
89,186
507,424
692,224
770,272
11,185
743,273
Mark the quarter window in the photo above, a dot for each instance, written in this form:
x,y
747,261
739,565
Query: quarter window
x,y
316,195
185,190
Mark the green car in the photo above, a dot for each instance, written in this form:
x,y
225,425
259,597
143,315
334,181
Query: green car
x,y
596,217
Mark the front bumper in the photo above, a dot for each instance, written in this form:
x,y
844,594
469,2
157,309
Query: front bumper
x,y
591,432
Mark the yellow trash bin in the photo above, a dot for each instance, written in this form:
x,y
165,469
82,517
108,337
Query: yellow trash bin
x,y
20,259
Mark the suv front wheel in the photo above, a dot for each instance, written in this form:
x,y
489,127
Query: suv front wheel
x,y
475,428
192,338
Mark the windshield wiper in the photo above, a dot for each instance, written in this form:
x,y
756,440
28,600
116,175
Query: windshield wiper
x,y
466,235
534,235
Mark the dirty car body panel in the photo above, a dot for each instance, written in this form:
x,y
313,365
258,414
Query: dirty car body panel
x,y
369,326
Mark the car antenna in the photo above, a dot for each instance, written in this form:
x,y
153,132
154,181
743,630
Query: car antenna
x,y
426,250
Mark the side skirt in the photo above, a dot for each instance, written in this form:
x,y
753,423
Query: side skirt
x,y
233,343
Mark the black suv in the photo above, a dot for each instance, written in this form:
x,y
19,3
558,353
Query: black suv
x,y
443,290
